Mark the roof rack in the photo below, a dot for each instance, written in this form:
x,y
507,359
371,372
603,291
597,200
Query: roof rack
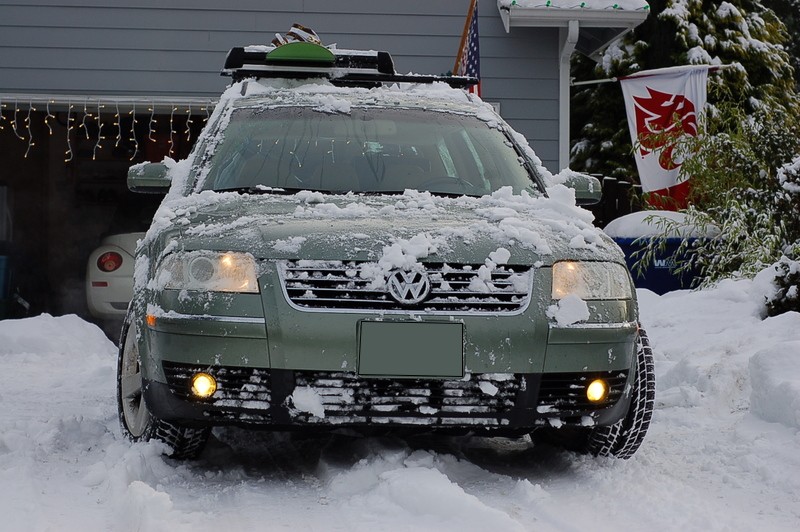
x,y
352,68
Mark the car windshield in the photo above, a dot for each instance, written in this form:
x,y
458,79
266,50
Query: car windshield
x,y
367,150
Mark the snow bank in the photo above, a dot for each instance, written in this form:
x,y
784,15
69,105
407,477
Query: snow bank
x,y
46,334
702,357
722,452
775,378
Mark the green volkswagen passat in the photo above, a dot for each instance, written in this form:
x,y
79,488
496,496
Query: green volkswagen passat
x,y
376,257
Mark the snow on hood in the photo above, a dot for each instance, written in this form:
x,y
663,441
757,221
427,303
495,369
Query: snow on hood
x,y
396,230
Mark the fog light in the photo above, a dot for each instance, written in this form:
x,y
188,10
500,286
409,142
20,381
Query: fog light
x,y
203,385
597,391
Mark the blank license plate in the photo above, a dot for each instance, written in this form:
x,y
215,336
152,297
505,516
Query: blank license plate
x,y
411,349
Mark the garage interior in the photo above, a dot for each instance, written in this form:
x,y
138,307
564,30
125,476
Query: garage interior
x,y
63,188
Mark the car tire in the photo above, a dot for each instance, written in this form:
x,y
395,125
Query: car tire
x,y
137,422
623,438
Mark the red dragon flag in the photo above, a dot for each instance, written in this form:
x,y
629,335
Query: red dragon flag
x,y
663,105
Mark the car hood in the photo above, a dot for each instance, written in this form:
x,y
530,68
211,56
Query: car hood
x,y
395,230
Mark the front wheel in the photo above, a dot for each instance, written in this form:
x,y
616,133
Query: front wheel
x,y
137,422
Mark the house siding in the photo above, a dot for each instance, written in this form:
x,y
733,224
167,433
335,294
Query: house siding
x,y
176,48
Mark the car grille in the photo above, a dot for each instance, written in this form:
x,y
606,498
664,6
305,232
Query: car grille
x,y
262,396
354,286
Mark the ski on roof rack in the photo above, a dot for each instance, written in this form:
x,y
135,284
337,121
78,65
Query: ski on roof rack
x,y
342,67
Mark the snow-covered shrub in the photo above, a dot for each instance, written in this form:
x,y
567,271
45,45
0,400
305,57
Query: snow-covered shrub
x,y
742,187
786,286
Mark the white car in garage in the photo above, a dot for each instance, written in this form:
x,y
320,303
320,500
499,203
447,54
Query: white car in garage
x,y
109,276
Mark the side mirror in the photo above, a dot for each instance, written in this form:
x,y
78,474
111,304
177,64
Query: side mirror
x,y
588,190
150,178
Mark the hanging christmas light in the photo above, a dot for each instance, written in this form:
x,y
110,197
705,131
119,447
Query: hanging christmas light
x,y
189,122
14,122
28,127
171,128
83,125
152,122
48,117
118,123
100,136
133,132
69,153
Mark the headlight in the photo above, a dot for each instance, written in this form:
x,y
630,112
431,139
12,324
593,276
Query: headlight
x,y
209,271
591,280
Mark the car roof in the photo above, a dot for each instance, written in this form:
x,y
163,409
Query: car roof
x,y
321,94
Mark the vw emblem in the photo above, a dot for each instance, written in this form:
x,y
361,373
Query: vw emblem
x,y
409,288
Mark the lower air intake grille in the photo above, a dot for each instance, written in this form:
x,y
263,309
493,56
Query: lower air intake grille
x,y
565,393
482,400
243,394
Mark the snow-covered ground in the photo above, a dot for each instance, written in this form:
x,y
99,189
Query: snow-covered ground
x,y
723,452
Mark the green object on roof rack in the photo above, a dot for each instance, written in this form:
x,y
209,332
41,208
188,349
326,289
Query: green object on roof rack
x,y
301,52
302,60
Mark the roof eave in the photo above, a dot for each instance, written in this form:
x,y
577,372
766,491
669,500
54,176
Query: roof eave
x,y
544,17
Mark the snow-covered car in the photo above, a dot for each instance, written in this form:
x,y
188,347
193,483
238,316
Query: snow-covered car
x,y
348,247
109,276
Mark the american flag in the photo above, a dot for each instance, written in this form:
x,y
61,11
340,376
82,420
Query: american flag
x,y
468,60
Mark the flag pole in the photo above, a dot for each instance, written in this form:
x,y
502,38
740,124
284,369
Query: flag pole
x,y
464,34
573,83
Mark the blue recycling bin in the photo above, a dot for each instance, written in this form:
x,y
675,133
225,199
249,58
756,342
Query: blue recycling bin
x,y
659,273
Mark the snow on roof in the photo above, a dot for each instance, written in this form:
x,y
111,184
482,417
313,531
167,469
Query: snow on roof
x,y
624,5
590,13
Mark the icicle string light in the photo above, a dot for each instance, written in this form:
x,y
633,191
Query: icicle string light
x,y
171,128
133,132
118,123
182,116
48,117
189,122
69,153
28,127
83,121
14,122
100,136
151,123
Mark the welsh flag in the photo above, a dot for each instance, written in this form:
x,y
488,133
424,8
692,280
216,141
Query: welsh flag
x,y
662,106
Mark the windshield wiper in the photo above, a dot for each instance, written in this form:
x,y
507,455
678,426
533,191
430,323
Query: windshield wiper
x,y
260,189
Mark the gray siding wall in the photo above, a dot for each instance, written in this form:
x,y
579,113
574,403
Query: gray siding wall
x,y
176,48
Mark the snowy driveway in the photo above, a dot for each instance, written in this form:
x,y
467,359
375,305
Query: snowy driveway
x,y
723,452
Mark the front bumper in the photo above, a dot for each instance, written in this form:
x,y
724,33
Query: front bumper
x,y
491,402
516,372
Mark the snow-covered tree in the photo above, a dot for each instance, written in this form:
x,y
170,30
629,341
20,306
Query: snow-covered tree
x,y
742,33
789,13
